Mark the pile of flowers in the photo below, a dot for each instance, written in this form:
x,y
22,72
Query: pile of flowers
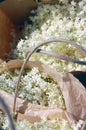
x,y
35,86
65,21
44,124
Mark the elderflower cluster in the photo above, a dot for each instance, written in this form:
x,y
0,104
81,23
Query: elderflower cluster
x,y
1,119
50,125
44,124
34,86
67,21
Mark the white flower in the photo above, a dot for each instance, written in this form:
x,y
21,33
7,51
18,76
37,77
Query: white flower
x,y
81,4
35,86
77,126
73,3
65,21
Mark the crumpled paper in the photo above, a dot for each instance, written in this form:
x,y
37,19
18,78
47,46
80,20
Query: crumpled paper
x,y
73,92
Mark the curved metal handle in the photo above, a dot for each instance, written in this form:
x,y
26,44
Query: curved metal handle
x,y
35,50
58,56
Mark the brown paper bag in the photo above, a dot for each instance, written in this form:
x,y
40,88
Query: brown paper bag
x,y
8,32
17,9
73,92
